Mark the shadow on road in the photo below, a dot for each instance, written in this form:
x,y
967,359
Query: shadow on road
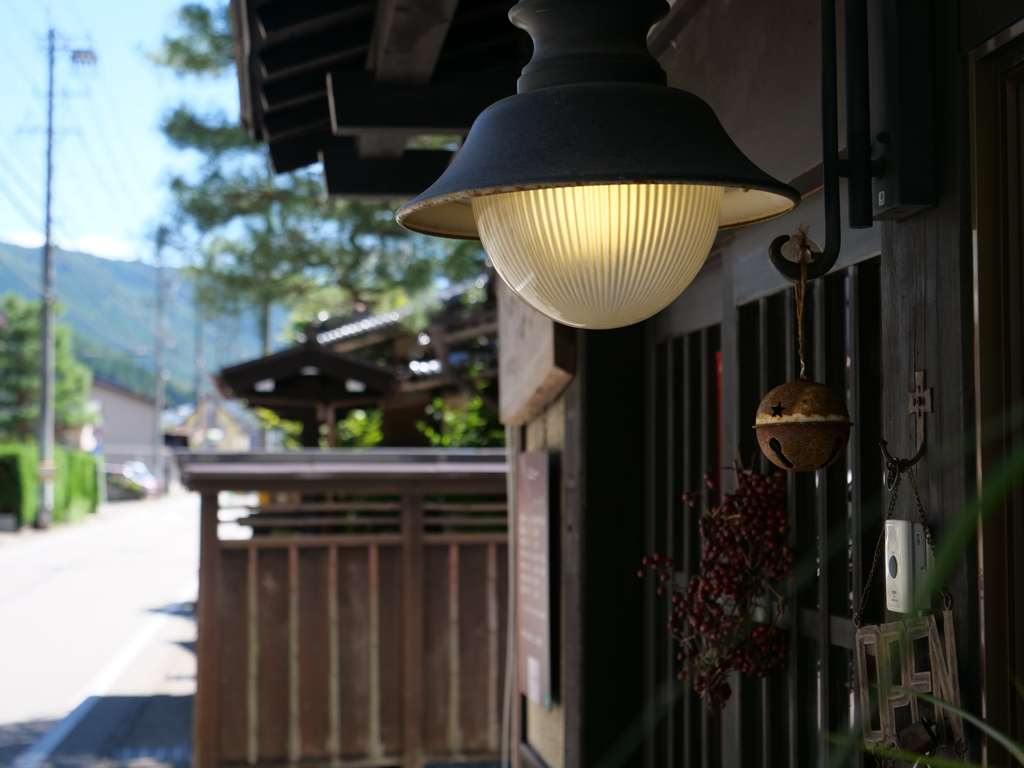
x,y
126,731
16,737
187,610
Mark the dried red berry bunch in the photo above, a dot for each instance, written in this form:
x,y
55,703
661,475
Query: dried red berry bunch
x,y
725,619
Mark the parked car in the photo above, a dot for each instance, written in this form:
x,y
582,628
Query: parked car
x,y
131,480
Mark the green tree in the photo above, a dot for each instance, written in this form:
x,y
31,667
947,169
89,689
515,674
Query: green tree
x,y
267,238
360,428
20,351
470,425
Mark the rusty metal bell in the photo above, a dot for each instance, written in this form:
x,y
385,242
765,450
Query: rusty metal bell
x,y
802,426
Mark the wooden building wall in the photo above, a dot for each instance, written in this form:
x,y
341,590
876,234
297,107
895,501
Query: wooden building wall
x,y
757,64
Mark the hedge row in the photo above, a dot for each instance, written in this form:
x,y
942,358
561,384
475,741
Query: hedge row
x,y
76,488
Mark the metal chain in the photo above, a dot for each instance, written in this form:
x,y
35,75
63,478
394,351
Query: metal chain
x,y
878,552
947,598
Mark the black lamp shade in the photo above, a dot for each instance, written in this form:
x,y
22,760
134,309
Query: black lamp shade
x,y
591,134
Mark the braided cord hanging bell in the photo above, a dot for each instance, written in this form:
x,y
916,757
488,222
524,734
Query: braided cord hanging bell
x,y
802,426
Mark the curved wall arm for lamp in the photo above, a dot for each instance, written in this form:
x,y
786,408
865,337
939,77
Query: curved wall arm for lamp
x,y
858,166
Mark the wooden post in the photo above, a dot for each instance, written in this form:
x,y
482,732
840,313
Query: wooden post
x,y
412,617
332,426
205,721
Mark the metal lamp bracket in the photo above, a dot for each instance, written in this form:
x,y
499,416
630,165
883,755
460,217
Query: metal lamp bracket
x,y
857,167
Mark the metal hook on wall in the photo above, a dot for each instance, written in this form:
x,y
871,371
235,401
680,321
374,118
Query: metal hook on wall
x,y
895,467
919,403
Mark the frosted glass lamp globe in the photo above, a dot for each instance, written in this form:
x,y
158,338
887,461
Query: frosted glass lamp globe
x,y
599,256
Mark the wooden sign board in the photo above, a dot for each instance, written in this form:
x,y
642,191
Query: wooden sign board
x,y
536,358
881,693
533,578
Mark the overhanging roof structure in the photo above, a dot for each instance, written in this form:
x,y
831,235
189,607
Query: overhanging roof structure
x,y
307,376
350,83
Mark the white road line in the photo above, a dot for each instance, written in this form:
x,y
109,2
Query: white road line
x,y
36,755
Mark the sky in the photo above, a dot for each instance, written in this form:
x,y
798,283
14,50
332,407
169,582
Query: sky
x,y
111,163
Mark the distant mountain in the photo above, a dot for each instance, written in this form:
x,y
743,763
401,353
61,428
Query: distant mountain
x,y
111,306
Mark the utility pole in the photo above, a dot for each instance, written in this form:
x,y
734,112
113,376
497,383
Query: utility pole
x,y
48,367
200,362
48,373
158,355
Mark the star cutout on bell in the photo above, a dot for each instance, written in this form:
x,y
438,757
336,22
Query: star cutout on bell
x,y
778,409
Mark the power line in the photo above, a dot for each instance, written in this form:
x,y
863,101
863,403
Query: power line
x,y
19,183
15,173
110,107
105,180
79,20
112,156
71,169
15,12
28,217
18,269
19,68
126,137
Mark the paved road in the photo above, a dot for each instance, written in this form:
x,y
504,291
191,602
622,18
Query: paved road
x,y
96,623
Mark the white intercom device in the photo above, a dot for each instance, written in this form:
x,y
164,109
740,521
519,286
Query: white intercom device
x,y
908,561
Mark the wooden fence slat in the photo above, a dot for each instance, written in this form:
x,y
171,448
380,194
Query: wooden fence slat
x,y
376,750
280,520
294,748
274,667
334,666
329,506
317,669
447,539
467,521
234,657
436,662
475,686
355,540
252,689
391,645
454,689
354,651
502,584
205,717
413,613
466,506
493,659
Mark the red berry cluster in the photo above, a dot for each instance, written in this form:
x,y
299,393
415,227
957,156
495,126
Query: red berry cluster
x,y
725,619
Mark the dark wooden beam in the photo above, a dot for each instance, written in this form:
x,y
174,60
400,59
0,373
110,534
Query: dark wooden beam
x,y
310,117
284,15
294,90
338,43
408,38
301,151
359,105
348,176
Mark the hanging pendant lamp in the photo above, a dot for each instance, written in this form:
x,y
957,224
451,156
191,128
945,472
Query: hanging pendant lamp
x,y
596,190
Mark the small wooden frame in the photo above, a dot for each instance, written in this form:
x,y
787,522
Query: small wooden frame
x,y
537,358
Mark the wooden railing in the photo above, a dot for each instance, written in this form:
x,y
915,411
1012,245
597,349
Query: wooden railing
x,y
349,632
